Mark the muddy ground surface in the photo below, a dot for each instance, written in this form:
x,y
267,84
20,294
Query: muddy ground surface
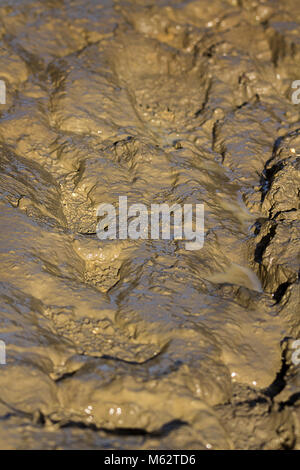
x,y
144,344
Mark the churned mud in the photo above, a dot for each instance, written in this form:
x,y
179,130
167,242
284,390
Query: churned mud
x,y
142,343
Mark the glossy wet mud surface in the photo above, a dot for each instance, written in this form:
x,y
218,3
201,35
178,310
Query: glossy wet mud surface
x,y
143,344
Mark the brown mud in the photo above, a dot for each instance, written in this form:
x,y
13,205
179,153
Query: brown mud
x,y
143,344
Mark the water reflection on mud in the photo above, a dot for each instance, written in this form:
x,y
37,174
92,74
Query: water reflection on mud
x,y
141,343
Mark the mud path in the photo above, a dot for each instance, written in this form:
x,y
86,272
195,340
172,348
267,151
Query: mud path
x,y
141,343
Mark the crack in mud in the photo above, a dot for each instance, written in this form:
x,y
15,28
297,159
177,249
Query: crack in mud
x,y
141,343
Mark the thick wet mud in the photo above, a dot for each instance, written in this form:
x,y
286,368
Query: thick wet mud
x,y
142,343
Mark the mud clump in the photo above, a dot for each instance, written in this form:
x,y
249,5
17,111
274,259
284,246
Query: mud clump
x,y
140,343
